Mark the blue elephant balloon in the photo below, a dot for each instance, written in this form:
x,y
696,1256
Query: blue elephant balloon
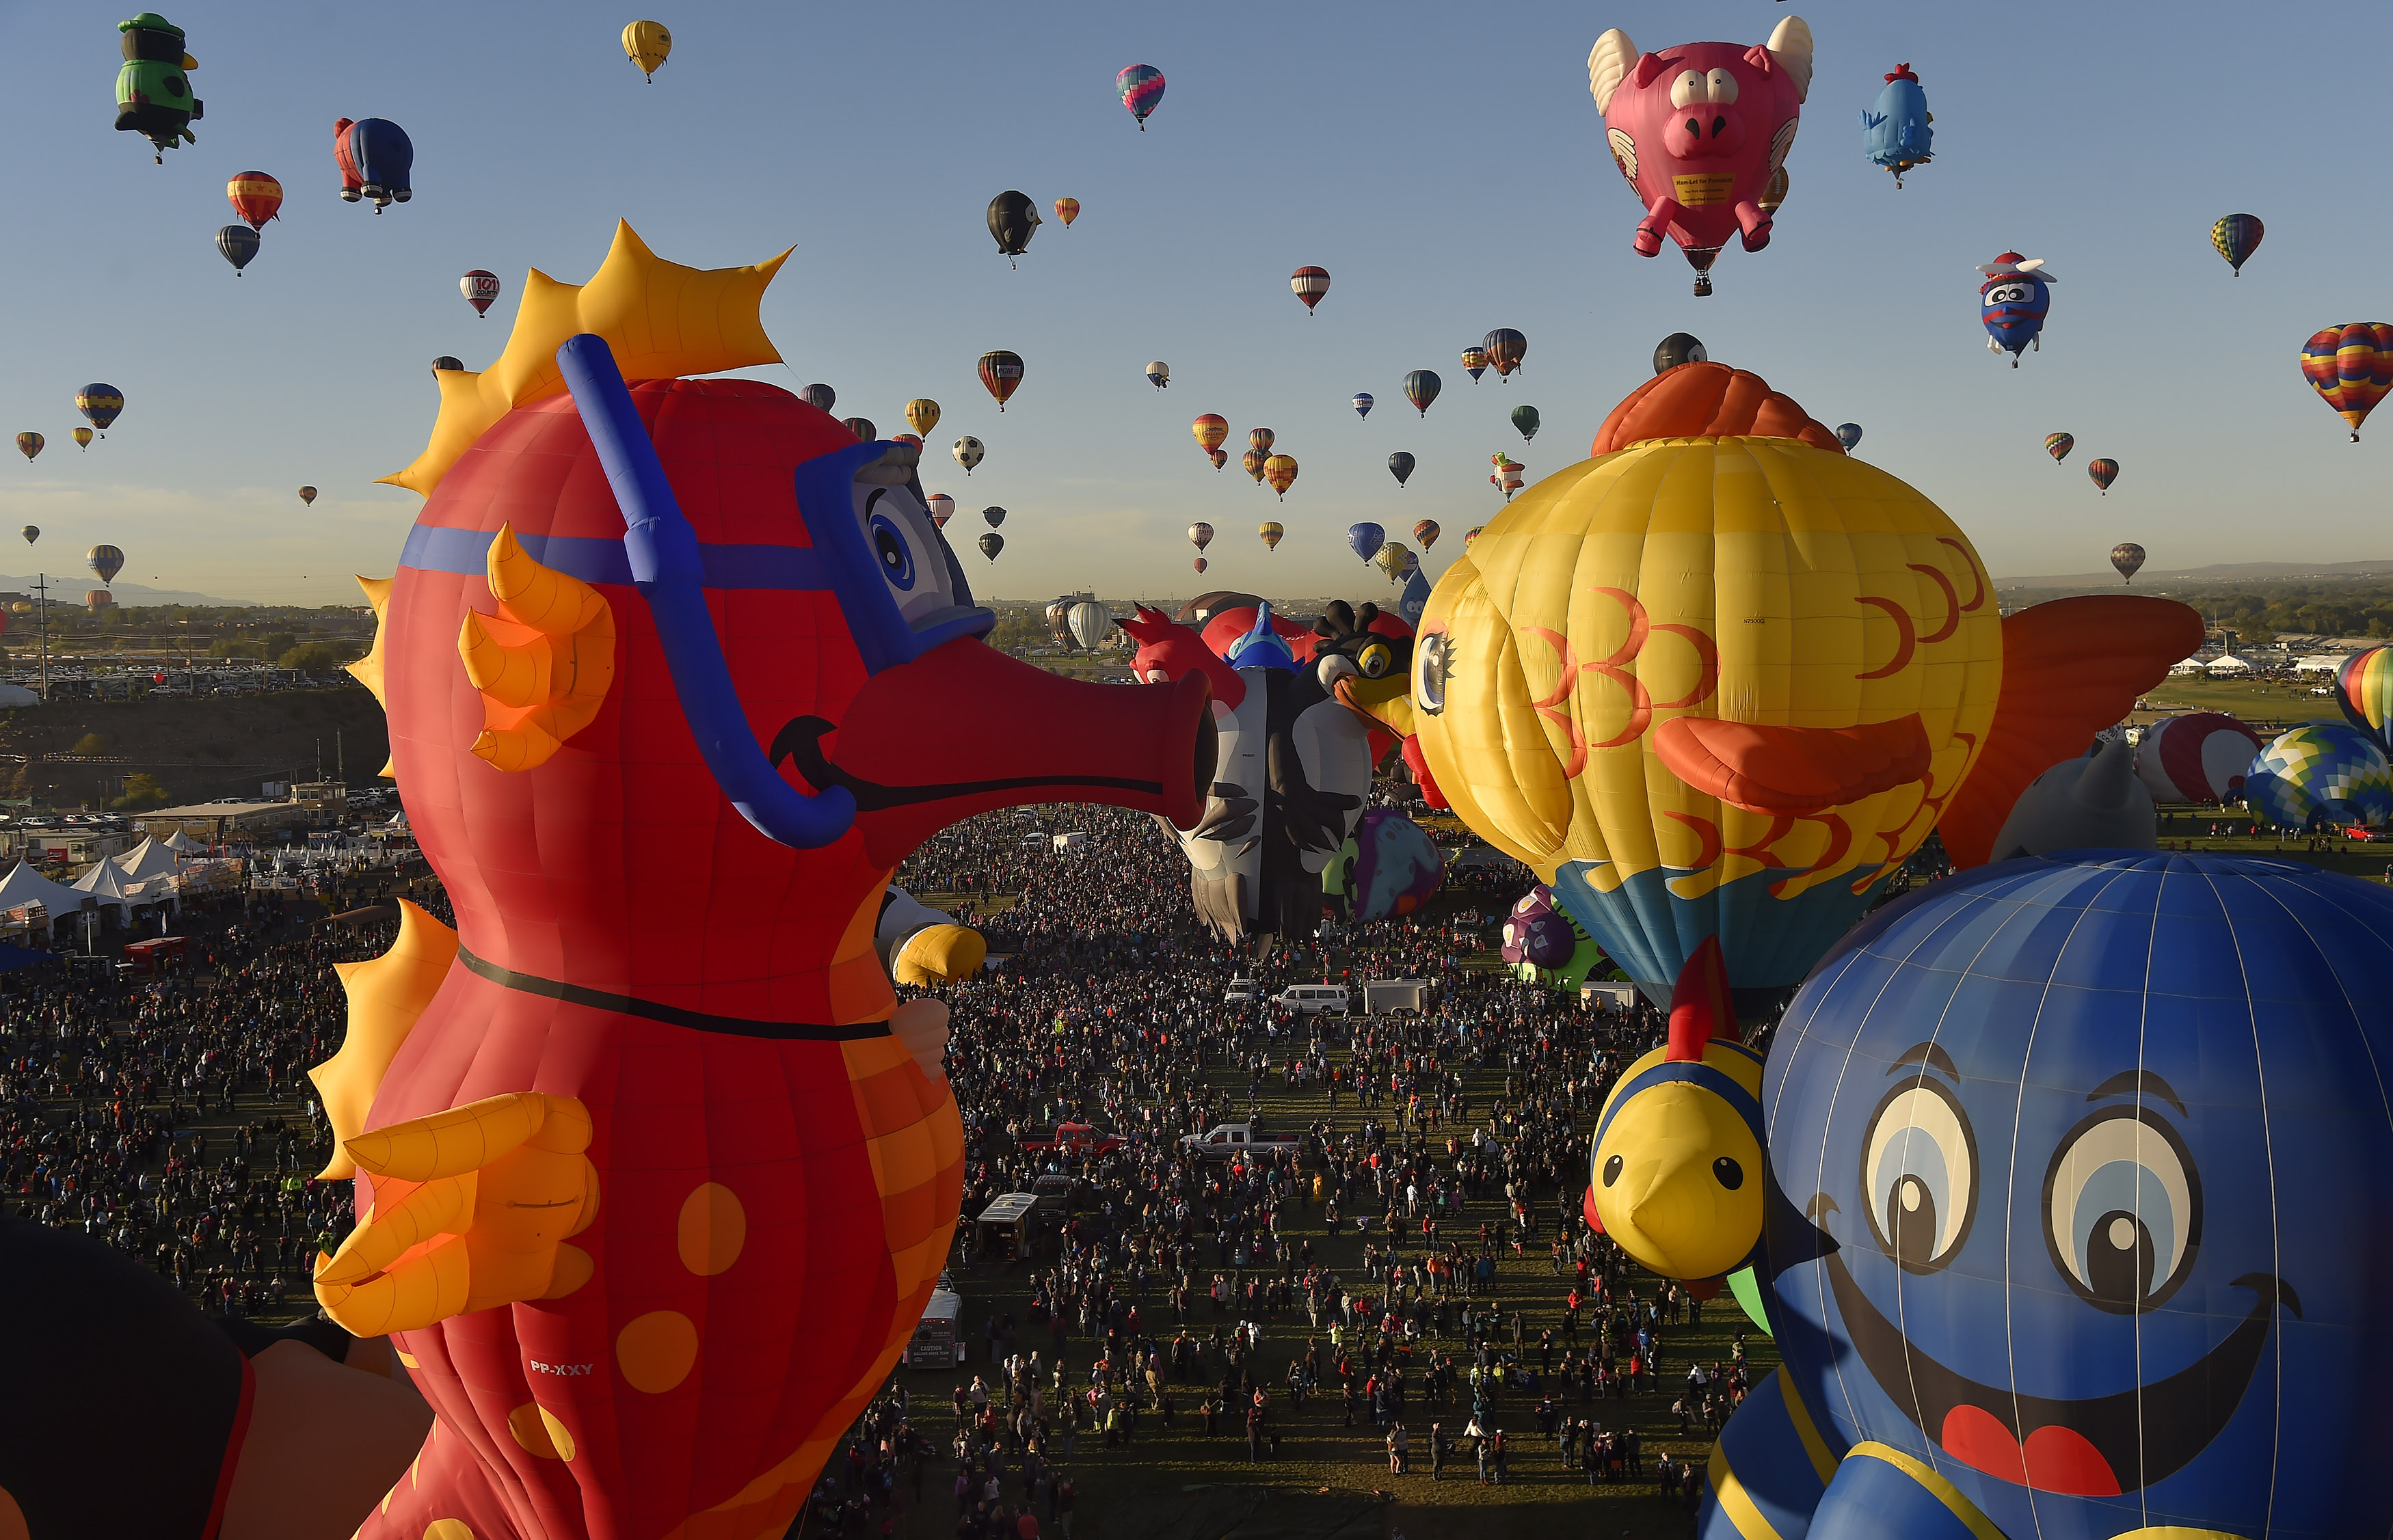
x,y
2075,1220
1895,133
1366,539
2013,302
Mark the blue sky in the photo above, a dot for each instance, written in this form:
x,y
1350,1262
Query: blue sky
x,y
1444,162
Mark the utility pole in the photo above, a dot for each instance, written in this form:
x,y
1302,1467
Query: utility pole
x,y
340,761
42,623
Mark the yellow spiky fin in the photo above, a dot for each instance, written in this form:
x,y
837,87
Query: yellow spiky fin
x,y
387,994
367,671
543,663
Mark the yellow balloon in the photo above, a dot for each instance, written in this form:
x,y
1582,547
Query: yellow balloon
x,y
1658,1186
1810,637
922,415
647,45
1391,557
1272,534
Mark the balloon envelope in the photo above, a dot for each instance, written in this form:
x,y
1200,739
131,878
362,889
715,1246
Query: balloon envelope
x,y
865,429
2057,445
968,452
101,404
1506,349
1426,531
647,45
2320,772
1001,372
1310,284
2199,757
1140,87
28,444
481,288
1362,403
83,438
308,496
1474,363
1365,540
1089,622
992,516
1848,434
2127,556
1400,466
1210,429
1422,387
106,560
1388,867
1067,210
820,397
1272,534
1013,219
2102,473
2364,688
1261,438
1158,374
384,160
255,197
2236,238
991,543
942,508
1253,461
922,415
1280,470
1200,535
238,243
2350,367
32,533
1525,419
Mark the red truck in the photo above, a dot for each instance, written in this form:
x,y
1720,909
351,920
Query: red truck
x,y
1076,1139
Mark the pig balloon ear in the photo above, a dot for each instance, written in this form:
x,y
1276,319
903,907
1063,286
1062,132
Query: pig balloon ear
x,y
1701,1006
1607,64
1790,44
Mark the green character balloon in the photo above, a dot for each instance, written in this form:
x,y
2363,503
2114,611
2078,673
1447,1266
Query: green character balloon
x,y
153,89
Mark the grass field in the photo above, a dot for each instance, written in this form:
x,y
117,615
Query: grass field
x,y
1330,1478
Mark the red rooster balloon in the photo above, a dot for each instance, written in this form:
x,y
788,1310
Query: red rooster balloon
x,y
655,1175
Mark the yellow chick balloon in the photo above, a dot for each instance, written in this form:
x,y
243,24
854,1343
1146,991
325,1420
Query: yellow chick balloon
x,y
647,45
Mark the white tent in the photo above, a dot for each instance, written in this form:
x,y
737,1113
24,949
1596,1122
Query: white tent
x,y
106,884
25,885
2228,667
183,844
147,860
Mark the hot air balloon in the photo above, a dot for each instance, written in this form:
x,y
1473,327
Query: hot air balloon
x,y
1310,284
2364,688
308,496
83,438
1526,418
2350,367
2012,303
822,397
1472,534
647,45
384,159
1001,373
1426,531
2126,557
922,415
1362,403
2236,238
968,452
993,517
1067,210
254,197
865,429
1253,461
913,440
1400,466
1261,438
481,288
1422,387
447,362
2057,445
153,87
2321,772
1365,540
1088,622
1158,374
107,561
1013,219
1280,470
1896,133
1200,535
942,508
1677,348
101,405
32,533
1849,434
237,244
1219,457
1390,558
991,543
1474,361
1210,429
1199,563
1140,87
1506,349
1507,475
28,444
1272,534
2102,472
2199,757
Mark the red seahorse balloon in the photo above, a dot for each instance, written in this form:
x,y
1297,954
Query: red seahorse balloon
x,y
654,1174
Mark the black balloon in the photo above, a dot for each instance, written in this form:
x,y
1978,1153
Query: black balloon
x,y
445,361
991,543
819,396
994,515
1678,348
1401,465
1011,219
238,244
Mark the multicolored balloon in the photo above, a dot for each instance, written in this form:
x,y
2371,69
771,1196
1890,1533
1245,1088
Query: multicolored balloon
x,y
2350,367
1140,87
1365,540
1253,461
308,496
1280,470
1362,403
1895,133
1272,535
28,444
1210,429
1427,531
1067,210
255,197
1158,374
1388,867
2320,772
864,428
1219,457
2012,303
1472,534
1543,945
1474,361
2364,688
107,561
2127,556
1310,284
969,451
2199,757
1526,418
83,438
1000,372
1200,535
101,405
1400,466
1422,387
1505,349
2057,445
1390,558
941,508
2102,473
1849,434
1261,438
2236,238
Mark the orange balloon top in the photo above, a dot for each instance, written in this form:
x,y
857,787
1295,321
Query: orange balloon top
x,y
1697,400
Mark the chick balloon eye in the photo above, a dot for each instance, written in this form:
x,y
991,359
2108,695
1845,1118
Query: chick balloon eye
x,y
1375,659
896,556
1429,673
1919,1171
1687,88
2123,1210
1719,86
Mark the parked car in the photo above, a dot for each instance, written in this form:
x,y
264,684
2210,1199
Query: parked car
x,y
1309,1000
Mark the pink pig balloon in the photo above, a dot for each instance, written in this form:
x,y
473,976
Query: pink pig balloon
x,y
1702,131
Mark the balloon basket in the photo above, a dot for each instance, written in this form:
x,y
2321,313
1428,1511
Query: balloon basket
x,y
1702,285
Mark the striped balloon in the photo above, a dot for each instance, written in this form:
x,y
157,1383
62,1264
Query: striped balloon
x,y
1210,429
2057,445
1261,438
2350,367
1310,284
1140,87
1001,372
2364,688
2237,237
2102,472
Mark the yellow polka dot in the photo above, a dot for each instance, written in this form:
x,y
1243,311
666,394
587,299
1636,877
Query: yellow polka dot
x,y
713,1227
448,1529
536,1428
656,1350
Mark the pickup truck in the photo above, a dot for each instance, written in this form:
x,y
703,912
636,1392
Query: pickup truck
x,y
1076,1139
1230,1139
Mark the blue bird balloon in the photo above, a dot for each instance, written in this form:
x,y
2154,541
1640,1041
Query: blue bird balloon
x,y
1895,133
2012,303
2074,1221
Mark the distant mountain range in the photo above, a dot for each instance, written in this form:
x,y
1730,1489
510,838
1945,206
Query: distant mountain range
x,y
2224,572
69,588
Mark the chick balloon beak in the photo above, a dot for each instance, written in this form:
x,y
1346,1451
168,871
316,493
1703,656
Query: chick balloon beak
x,y
1686,1200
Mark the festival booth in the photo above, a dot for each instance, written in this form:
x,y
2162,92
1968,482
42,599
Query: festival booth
x,y
105,882
25,889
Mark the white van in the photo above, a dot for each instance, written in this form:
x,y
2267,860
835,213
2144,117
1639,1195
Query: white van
x,y
1311,999
1241,992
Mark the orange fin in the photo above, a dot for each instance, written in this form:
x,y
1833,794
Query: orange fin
x,y
2070,668
1792,770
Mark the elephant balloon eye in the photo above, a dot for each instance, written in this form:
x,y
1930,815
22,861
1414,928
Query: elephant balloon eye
x,y
1727,1173
1612,1170
1919,1172
2123,1210
1429,673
